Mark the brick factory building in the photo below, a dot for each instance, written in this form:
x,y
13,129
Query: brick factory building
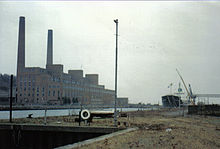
x,y
51,85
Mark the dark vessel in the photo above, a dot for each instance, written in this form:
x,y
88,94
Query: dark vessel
x,y
171,101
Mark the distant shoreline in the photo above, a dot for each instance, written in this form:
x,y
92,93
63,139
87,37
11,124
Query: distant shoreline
x,y
43,107
15,108
73,106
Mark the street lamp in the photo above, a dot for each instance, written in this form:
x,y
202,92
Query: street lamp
x,y
116,67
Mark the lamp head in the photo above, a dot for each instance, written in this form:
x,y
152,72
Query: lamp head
x,y
116,21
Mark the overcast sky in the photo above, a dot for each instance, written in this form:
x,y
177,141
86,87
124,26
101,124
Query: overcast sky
x,y
155,39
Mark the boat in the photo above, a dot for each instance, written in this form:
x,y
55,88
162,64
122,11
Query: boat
x,y
171,101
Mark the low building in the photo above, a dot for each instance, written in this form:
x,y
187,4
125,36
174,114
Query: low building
x,y
122,102
5,96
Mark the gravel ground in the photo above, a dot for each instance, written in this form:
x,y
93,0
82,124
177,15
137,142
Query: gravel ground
x,y
157,130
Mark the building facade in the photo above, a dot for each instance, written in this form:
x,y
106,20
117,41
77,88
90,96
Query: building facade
x,y
51,85
122,102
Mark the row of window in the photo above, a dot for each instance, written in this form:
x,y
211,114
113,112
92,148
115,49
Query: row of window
x,y
68,87
71,87
54,93
54,86
33,84
77,91
49,94
26,80
33,89
27,83
28,94
82,83
27,77
89,90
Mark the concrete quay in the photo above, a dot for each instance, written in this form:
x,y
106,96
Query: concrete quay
x,y
47,136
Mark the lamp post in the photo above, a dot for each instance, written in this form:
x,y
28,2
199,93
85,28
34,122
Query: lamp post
x,y
11,90
116,68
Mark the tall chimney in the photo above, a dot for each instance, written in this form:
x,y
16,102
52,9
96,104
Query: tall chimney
x,y
50,47
21,45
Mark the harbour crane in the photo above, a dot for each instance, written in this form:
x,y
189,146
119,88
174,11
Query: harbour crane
x,y
192,96
189,92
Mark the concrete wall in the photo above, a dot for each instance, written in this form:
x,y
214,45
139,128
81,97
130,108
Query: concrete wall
x,y
204,109
46,137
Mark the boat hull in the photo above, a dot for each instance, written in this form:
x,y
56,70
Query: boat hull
x,y
171,101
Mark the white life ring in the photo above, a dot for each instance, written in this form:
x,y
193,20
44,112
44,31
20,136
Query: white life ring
x,y
85,114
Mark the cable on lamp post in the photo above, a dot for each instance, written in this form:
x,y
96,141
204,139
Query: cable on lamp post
x,y
116,68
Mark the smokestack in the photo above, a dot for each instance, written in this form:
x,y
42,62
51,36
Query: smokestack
x,y
50,47
21,45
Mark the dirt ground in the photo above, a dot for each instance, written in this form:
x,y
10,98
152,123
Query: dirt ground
x,y
158,130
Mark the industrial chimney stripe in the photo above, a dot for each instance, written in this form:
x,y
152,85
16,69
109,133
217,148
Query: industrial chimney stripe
x,y
50,47
21,45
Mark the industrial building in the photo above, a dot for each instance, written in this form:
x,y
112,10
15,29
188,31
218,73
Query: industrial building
x,y
5,89
51,85
122,102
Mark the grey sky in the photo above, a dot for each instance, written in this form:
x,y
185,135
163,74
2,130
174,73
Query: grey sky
x,y
155,39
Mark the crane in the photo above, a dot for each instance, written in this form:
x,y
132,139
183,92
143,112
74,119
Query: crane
x,y
189,93
192,96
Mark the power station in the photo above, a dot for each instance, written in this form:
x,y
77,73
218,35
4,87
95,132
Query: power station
x,y
51,85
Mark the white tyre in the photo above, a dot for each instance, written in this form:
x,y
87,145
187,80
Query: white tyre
x,y
85,114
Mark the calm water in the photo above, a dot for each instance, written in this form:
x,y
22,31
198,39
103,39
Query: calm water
x,y
40,113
